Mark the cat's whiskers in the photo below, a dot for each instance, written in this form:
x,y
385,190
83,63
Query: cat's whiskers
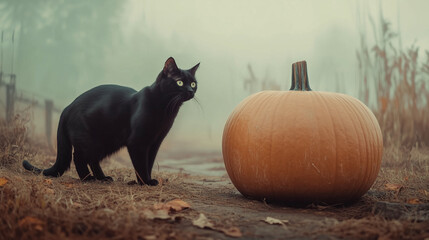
x,y
199,104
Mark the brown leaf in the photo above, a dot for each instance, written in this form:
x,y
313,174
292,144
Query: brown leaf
x,y
177,205
3,181
414,201
203,222
274,221
174,205
156,214
393,187
31,221
232,232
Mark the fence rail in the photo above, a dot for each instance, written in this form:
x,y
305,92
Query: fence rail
x,y
12,97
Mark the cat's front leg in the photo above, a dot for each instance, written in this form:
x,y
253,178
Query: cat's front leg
x,y
140,159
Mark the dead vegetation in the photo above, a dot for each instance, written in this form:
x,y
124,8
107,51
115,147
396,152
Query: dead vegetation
x,y
13,137
394,85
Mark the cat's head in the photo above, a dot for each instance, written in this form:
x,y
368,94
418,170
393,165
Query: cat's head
x,y
176,81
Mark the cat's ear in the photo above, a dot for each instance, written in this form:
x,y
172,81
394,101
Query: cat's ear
x,y
170,67
194,69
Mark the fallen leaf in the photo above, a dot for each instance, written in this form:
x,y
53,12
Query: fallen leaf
x,y
274,221
31,221
3,181
48,181
174,205
156,214
414,201
393,186
178,205
232,232
203,222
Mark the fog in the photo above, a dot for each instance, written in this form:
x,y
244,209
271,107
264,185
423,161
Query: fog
x,y
63,48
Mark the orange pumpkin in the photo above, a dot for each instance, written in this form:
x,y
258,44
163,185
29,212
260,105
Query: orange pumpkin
x,y
302,146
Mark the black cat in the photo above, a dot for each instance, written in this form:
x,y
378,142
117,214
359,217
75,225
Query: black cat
x,y
102,120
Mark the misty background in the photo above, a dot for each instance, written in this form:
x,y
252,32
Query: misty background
x,y
62,48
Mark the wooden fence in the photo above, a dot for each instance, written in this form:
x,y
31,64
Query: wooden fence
x,y
9,82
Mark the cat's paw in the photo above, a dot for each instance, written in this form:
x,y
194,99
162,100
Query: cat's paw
x,y
152,182
107,179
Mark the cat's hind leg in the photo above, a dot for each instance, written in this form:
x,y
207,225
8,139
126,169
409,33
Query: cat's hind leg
x,y
82,166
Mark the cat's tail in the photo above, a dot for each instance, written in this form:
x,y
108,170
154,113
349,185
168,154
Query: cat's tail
x,y
64,154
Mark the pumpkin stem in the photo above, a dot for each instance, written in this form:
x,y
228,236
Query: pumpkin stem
x,y
300,77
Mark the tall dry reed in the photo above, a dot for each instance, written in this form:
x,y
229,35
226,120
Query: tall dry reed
x,y
394,84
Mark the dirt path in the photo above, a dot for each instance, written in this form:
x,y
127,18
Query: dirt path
x,y
218,200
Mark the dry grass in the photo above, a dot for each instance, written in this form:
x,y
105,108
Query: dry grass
x,y
13,138
394,84
66,208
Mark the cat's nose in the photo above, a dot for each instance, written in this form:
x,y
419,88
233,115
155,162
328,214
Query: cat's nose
x,y
189,93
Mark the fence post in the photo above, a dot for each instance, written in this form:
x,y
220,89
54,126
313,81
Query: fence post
x,y
10,99
49,106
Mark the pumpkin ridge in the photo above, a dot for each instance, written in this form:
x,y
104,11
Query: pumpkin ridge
x,y
324,101
370,147
255,107
264,104
231,126
343,133
283,98
375,134
293,189
363,174
319,138
249,107
344,99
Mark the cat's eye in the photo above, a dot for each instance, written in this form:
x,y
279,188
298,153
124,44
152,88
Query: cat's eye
x,y
193,84
180,83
